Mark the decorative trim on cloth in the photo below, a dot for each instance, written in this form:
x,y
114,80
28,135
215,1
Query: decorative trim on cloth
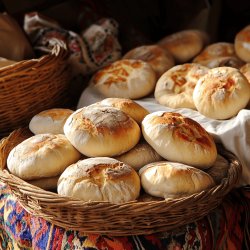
x,y
227,227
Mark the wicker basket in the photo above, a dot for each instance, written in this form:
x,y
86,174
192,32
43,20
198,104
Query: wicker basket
x,y
131,218
30,86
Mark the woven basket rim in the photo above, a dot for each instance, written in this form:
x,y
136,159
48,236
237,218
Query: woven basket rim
x,y
43,203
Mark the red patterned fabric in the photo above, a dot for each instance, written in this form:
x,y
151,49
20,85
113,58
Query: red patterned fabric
x,y
227,227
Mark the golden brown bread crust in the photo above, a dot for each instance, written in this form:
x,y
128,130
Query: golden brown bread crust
x,y
128,106
126,78
100,179
101,131
160,59
184,45
178,138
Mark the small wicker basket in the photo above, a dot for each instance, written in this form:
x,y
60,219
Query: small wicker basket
x,y
30,86
131,218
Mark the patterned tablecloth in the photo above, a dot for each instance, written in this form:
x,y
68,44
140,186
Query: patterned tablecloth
x,y
227,227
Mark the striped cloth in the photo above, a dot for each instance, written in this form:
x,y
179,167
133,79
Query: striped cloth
x,y
227,227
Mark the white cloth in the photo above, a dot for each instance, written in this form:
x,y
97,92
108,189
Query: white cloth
x,y
233,133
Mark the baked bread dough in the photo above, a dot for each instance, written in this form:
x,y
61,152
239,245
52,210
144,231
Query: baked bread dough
x,y
215,50
179,138
100,179
139,156
126,78
173,180
175,87
185,44
242,44
160,59
219,170
40,156
101,131
128,106
221,93
49,121
228,61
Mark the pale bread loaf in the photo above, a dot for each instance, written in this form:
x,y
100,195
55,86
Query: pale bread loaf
x,y
139,156
40,156
128,106
173,180
242,44
49,121
228,61
216,50
185,44
100,179
219,170
175,87
160,59
101,131
126,78
221,93
179,138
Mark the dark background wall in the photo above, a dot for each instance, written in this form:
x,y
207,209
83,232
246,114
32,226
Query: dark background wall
x,y
143,21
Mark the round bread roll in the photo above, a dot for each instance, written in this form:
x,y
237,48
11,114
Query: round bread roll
x,y
228,61
185,44
100,179
242,44
219,169
128,106
125,78
221,93
173,180
215,50
179,138
49,121
245,70
139,156
40,156
160,59
101,131
175,87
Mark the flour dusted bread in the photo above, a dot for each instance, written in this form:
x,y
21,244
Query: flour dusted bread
x,y
40,156
218,55
215,50
126,78
221,93
175,87
49,121
242,44
101,131
179,138
100,179
160,59
128,106
173,180
185,44
139,156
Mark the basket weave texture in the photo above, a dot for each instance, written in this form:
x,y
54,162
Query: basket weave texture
x,y
30,86
130,218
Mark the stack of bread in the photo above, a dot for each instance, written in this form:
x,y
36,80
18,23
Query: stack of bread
x,y
115,150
